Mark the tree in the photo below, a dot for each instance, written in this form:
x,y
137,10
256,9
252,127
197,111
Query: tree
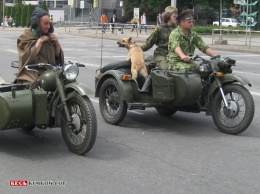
x,y
24,15
18,13
44,6
29,14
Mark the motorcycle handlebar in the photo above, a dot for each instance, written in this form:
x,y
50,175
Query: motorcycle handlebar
x,y
78,64
37,65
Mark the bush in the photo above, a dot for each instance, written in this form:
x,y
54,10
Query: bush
x,y
208,29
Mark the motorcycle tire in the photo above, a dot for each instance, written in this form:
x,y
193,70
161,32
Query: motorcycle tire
x,y
111,104
240,117
166,111
82,138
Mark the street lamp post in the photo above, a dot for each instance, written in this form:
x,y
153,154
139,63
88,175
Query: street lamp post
x,y
3,13
90,4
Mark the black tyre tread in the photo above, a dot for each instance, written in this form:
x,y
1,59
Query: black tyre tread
x,y
123,106
91,133
250,109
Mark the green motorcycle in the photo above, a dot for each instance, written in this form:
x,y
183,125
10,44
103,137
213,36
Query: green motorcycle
x,y
210,87
55,100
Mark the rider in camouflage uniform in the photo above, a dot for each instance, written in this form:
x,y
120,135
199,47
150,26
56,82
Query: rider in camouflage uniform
x,y
182,43
160,37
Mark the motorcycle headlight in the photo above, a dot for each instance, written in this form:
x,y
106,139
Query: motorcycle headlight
x,y
71,72
204,70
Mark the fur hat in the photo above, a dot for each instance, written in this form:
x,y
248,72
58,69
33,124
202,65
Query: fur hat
x,y
37,14
171,10
185,15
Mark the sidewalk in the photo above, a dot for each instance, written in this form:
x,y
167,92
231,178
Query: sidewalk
x,y
236,43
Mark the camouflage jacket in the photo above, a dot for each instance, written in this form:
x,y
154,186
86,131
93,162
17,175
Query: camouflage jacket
x,y
160,38
187,44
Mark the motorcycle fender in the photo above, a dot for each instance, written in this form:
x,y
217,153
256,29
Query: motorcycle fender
x,y
124,86
81,88
230,78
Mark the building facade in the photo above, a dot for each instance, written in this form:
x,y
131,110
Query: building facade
x,y
91,10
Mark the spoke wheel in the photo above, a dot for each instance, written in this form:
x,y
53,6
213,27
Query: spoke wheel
x,y
112,106
239,115
81,137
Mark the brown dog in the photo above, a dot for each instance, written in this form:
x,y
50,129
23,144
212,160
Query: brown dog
x,y
136,55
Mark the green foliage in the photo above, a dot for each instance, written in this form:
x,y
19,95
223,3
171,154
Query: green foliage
x,y
29,14
208,29
44,6
18,13
8,11
24,15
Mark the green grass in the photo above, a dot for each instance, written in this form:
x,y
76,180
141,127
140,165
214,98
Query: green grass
x,y
208,29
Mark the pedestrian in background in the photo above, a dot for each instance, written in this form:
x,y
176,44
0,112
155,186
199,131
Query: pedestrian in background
x,y
134,22
51,19
5,21
113,21
103,20
10,21
143,23
159,19
123,21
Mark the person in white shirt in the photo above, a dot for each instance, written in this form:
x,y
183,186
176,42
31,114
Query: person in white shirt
x,y
143,23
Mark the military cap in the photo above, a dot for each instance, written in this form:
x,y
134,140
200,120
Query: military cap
x,y
37,14
185,15
171,10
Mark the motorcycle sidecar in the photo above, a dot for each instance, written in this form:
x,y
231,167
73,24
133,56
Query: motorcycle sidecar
x,y
117,92
21,107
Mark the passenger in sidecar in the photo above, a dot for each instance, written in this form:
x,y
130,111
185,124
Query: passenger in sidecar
x,y
117,91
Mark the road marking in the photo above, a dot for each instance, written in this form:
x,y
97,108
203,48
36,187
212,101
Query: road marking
x,y
242,72
255,93
12,51
248,62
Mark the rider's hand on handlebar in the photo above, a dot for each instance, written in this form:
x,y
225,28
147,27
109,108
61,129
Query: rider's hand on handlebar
x,y
185,58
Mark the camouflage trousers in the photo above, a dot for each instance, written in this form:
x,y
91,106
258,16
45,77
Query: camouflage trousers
x,y
161,62
181,65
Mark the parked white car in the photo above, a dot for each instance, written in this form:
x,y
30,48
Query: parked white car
x,y
227,22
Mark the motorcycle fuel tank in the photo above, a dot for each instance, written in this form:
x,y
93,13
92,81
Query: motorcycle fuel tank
x,y
16,109
47,81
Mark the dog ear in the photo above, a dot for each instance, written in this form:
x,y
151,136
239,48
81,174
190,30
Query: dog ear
x,y
130,38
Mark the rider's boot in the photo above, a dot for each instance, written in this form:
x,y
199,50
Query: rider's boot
x,y
147,85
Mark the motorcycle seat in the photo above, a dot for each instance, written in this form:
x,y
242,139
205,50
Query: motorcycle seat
x,y
117,65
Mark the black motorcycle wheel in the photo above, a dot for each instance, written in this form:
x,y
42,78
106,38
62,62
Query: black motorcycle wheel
x,y
165,110
240,117
81,139
111,104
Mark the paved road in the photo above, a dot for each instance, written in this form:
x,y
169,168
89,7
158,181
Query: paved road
x,y
146,153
